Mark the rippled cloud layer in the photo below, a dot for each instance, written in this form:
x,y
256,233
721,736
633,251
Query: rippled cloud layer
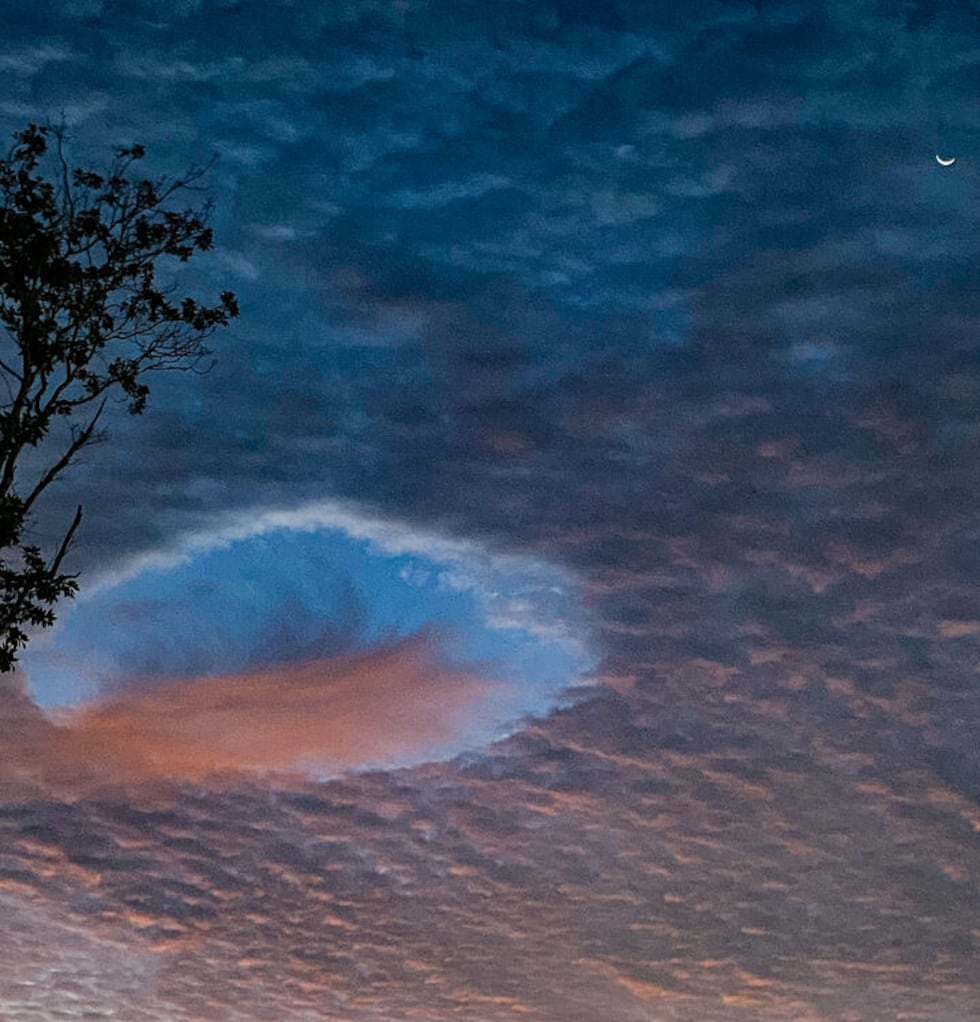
x,y
674,299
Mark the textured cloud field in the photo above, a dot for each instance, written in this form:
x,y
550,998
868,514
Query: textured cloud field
x,y
734,861
676,300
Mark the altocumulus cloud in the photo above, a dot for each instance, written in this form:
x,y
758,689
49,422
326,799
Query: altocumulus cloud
x,y
676,296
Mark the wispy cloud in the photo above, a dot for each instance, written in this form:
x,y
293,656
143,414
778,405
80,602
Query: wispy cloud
x,y
392,704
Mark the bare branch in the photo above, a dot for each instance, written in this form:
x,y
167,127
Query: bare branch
x,y
78,441
66,542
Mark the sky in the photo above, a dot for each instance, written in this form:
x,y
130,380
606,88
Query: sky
x,y
559,601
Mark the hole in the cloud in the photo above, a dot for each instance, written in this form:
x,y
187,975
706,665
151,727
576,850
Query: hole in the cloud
x,y
315,585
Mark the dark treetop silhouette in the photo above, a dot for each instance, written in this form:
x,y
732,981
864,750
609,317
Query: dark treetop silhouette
x,y
82,317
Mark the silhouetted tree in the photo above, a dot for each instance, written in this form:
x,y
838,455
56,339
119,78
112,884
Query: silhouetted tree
x,y
81,316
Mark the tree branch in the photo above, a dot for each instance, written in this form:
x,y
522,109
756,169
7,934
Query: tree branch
x,y
77,443
80,302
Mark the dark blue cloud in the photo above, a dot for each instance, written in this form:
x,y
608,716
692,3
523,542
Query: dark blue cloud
x,y
675,297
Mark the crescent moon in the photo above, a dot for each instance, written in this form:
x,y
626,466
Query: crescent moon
x,y
945,163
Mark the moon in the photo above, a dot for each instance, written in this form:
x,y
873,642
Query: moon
x,y
945,163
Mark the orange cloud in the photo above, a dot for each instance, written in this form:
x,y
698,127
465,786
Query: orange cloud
x,y
390,704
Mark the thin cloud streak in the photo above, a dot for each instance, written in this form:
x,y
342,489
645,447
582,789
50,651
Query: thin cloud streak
x,y
391,536
475,566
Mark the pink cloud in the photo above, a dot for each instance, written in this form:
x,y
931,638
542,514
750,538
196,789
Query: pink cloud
x,y
392,704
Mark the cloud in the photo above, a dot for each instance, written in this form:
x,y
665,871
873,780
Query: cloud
x,y
393,703
712,347
718,861
28,60
392,536
513,591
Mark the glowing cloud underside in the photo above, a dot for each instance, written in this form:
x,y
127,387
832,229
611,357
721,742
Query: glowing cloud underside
x,y
385,706
311,639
